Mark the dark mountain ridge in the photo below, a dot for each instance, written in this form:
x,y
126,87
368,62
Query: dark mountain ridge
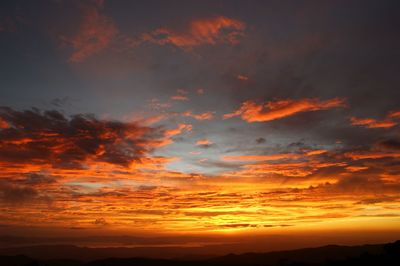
x,y
332,255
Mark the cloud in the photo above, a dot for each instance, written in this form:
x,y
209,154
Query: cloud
x,y
201,116
253,112
94,35
156,104
289,169
200,91
204,143
371,123
17,194
101,222
272,157
36,178
206,31
260,140
180,96
178,130
362,155
394,114
50,138
389,144
362,184
356,168
374,123
242,77
3,123
315,152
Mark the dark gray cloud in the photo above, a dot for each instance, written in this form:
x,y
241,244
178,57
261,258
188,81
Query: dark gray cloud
x,y
13,193
50,137
260,140
389,144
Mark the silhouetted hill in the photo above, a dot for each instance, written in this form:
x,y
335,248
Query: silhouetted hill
x,y
44,252
379,255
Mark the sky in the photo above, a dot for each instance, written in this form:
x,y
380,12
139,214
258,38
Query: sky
x,y
199,117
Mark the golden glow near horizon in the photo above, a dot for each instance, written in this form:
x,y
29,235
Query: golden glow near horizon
x,y
266,193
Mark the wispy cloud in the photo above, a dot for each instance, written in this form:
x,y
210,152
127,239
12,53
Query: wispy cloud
x,y
372,123
205,143
251,112
205,31
180,96
95,33
388,122
201,116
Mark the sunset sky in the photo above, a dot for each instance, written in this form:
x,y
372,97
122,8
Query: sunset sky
x,y
199,117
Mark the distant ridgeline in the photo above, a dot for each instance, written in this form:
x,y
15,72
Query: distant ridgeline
x,y
379,255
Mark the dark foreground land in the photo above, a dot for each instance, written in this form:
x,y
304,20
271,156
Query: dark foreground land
x,y
380,255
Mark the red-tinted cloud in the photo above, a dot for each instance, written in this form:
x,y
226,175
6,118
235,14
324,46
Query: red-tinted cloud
x,y
204,142
394,114
176,131
180,96
372,123
207,31
362,155
201,116
242,77
95,34
3,123
252,112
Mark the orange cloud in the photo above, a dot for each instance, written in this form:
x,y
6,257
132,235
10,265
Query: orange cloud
x,y
394,114
356,168
94,35
3,123
202,116
253,112
315,152
242,77
204,142
181,95
178,130
153,119
208,31
179,98
286,169
372,123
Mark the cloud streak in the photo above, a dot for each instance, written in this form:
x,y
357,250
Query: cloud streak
x,y
252,112
205,31
388,122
